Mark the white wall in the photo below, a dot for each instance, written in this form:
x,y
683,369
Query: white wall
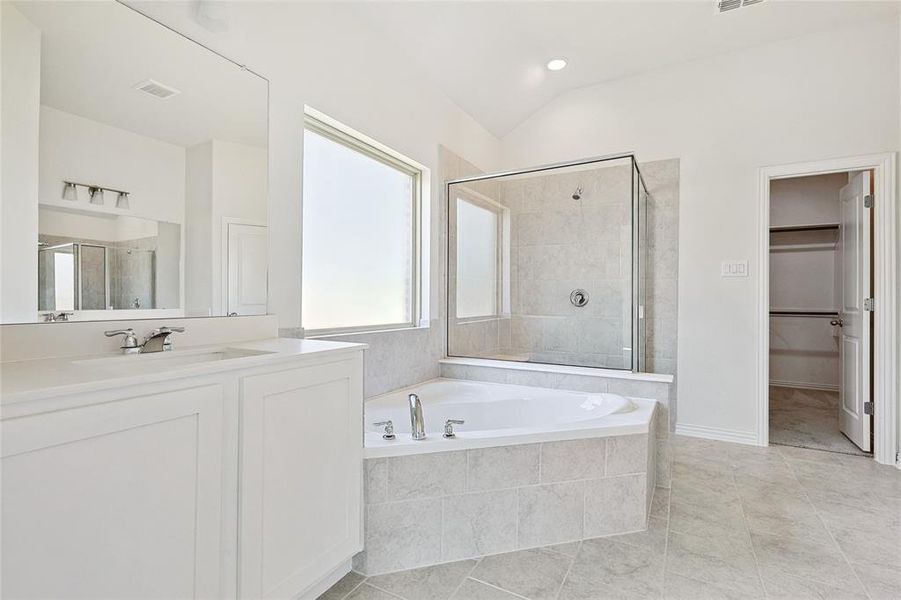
x,y
198,229
224,180
825,95
240,190
20,86
77,149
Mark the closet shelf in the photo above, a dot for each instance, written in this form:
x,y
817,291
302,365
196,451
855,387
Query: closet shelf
x,y
808,227
804,237
814,314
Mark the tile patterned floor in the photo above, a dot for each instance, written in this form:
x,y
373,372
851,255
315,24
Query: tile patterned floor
x,y
807,419
739,522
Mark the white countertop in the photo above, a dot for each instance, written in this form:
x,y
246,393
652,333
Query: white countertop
x,y
21,381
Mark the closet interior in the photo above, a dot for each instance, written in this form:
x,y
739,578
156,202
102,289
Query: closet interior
x,y
816,228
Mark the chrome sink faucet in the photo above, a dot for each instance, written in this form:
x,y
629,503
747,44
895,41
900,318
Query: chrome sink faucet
x,y
417,425
155,341
158,339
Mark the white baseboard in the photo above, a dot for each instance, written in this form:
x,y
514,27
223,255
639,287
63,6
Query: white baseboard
x,y
801,385
716,433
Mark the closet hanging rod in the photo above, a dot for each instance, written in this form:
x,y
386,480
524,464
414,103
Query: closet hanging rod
x,y
817,314
820,227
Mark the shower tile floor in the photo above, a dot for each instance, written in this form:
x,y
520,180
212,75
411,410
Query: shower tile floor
x,y
808,419
739,522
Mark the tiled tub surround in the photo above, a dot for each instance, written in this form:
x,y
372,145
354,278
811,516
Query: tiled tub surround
x,y
558,244
658,387
443,506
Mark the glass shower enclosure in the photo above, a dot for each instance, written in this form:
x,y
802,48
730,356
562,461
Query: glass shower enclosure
x,y
548,265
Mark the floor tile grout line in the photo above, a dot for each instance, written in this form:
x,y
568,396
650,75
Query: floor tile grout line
x,y
744,517
392,594
491,585
462,581
572,561
817,512
353,589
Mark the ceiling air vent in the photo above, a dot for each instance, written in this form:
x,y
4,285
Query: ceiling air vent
x,y
157,89
727,5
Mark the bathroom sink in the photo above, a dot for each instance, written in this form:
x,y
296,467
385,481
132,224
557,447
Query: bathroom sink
x,y
174,358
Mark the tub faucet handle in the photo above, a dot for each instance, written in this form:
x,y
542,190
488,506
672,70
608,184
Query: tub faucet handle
x,y
389,429
449,427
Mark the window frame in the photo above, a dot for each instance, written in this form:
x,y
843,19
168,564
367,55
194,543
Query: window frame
x,y
340,134
502,213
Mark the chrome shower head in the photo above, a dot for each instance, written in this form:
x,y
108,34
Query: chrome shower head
x,y
577,195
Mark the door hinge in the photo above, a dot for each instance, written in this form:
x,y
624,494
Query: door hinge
x,y
869,304
868,201
868,408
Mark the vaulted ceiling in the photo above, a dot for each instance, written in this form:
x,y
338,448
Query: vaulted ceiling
x,y
490,57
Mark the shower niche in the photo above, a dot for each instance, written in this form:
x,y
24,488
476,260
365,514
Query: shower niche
x,y
548,265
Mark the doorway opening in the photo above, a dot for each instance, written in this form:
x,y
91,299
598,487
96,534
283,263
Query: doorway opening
x,y
828,354
820,319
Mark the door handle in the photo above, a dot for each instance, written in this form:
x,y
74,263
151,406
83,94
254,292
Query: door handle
x,y
837,323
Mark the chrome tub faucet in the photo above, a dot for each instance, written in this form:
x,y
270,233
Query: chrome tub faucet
x,y
417,425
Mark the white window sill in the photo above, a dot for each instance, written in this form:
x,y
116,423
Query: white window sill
x,y
341,334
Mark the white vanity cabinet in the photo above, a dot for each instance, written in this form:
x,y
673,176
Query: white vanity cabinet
x,y
115,500
301,451
244,482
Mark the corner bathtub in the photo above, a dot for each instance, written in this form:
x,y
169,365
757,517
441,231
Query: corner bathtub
x,y
498,414
530,467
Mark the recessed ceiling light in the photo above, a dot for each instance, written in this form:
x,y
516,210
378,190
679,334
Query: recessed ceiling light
x,y
556,64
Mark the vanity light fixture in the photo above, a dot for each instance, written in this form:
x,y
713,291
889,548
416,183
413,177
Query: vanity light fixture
x,y
96,194
556,64
70,192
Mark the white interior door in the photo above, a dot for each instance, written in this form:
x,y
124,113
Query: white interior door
x,y
854,242
248,250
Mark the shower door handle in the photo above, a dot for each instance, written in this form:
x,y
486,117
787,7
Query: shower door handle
x,y
837,322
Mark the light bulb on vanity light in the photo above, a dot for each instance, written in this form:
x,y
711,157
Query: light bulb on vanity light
x,y
70,192
96,195
122,200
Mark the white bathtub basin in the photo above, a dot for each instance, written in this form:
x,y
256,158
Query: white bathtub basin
x,y
498,414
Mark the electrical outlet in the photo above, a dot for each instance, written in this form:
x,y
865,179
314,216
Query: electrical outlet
x,y
734,268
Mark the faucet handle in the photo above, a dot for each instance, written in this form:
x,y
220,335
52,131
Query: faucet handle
x,y
389,429
449,427
129,343
167,329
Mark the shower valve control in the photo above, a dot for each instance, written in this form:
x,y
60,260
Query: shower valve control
x,y
449,427
578,298
389,429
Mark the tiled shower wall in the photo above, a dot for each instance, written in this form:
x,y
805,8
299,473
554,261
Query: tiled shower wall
x,y
559,244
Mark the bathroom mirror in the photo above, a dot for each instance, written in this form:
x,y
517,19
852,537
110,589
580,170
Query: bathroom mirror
x,y
134,170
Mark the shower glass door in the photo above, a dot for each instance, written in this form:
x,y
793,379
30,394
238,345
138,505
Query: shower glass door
x,y
543,265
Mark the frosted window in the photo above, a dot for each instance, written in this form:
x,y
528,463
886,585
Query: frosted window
x,y
477,260
64,280
358,233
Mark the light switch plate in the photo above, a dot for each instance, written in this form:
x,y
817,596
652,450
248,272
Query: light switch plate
x,y
734,268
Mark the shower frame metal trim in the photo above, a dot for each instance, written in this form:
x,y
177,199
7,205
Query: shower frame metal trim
x,y
635,316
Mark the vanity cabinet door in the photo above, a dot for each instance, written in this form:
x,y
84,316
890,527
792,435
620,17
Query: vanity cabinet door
x,y
115,500
301,462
